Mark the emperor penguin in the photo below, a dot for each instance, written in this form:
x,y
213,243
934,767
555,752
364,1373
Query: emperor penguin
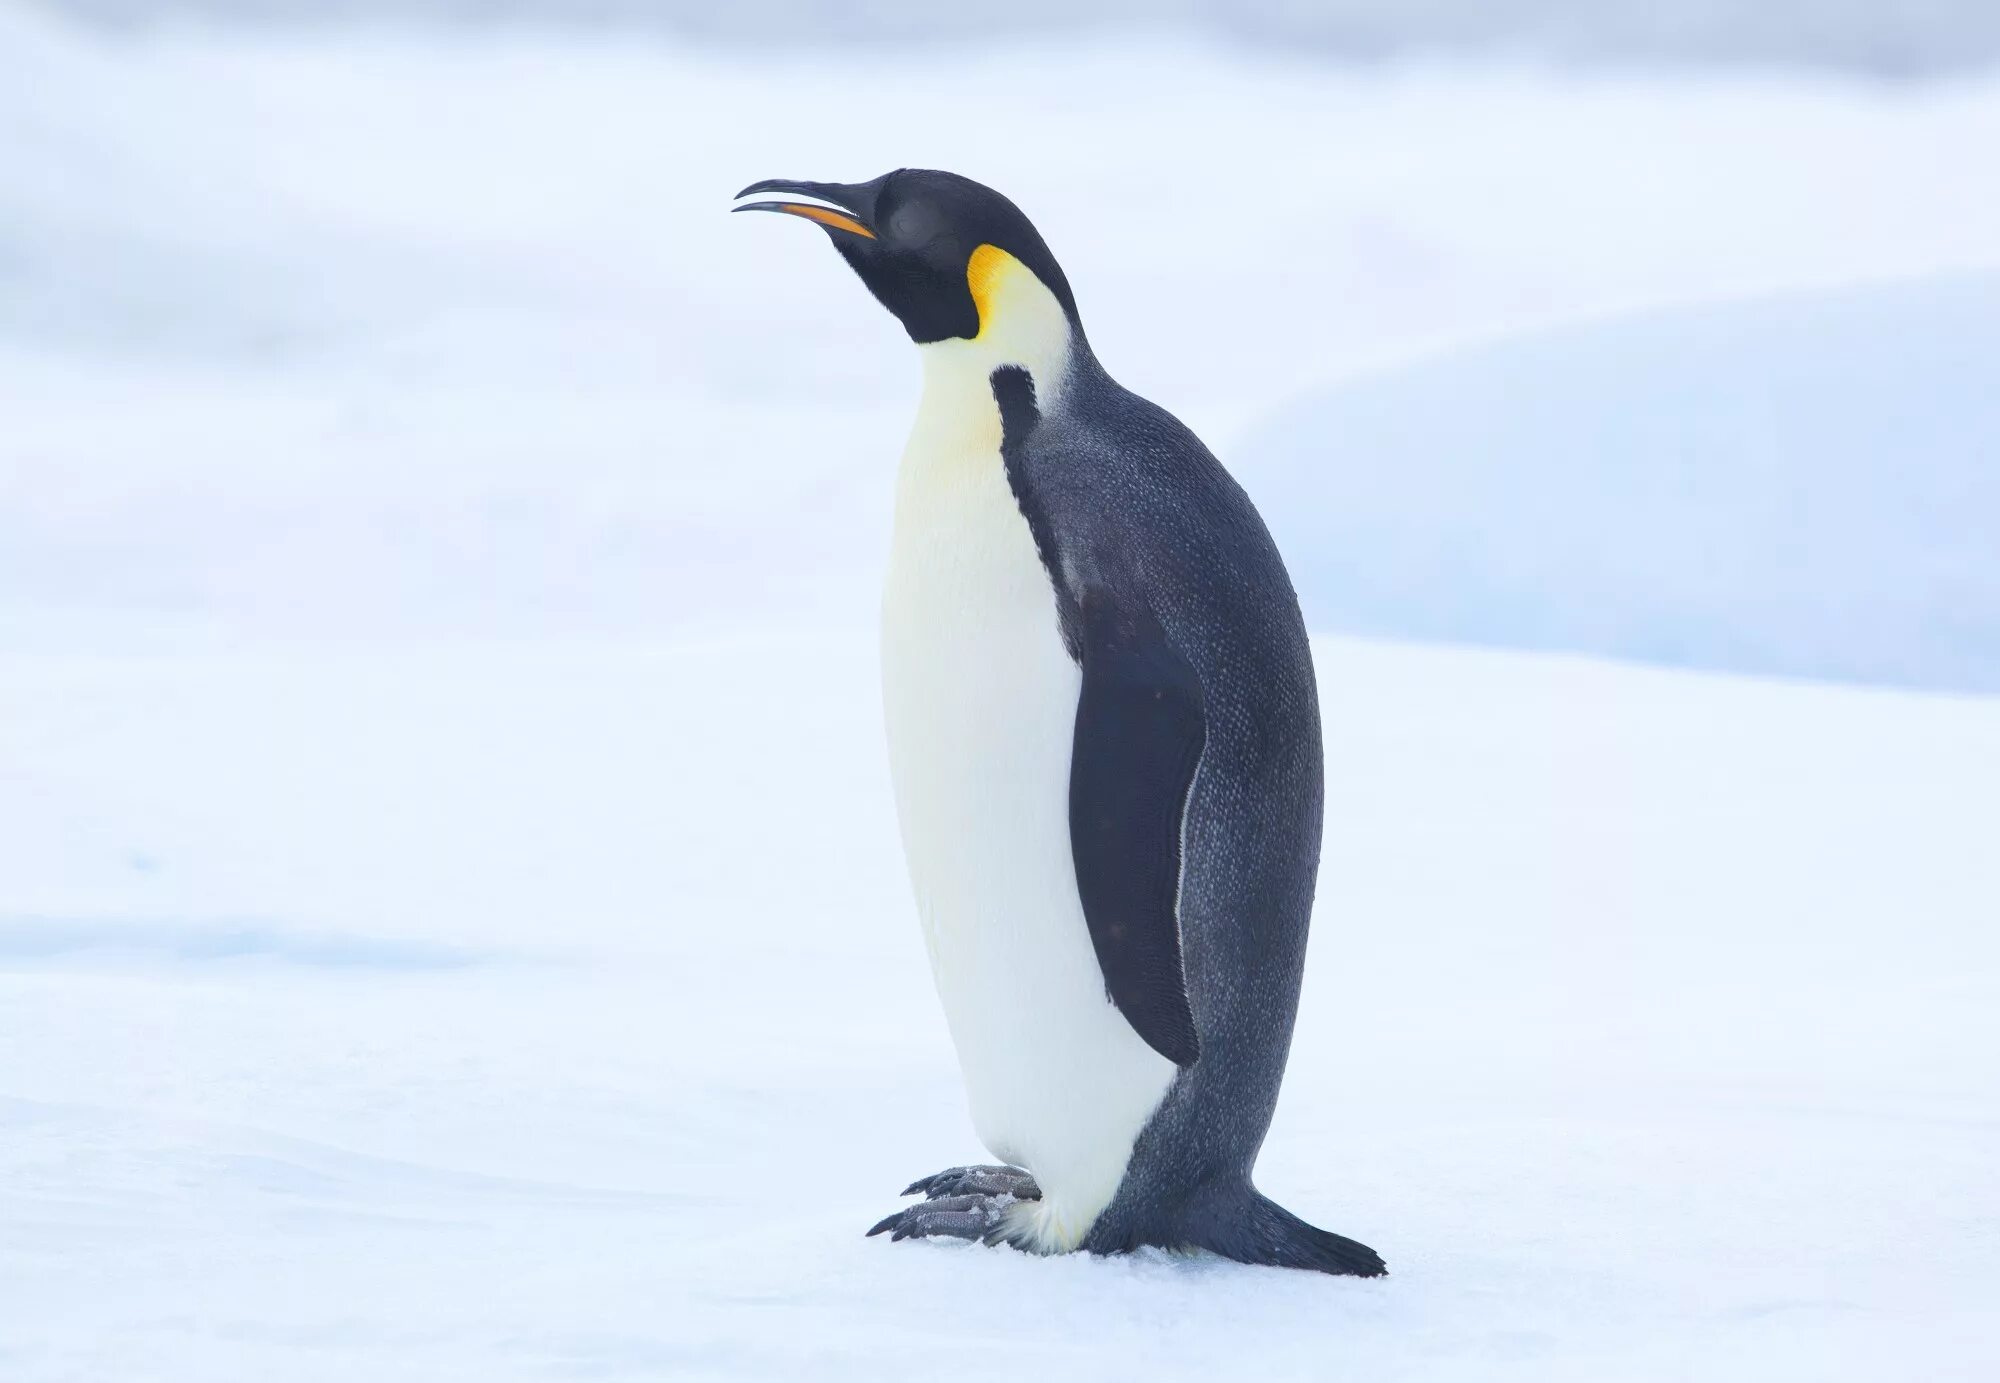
x,y
1104,737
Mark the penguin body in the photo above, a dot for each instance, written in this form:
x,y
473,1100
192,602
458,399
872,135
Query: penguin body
x,y
980,698
1104,738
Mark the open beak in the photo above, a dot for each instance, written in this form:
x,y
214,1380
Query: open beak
x,y
847,214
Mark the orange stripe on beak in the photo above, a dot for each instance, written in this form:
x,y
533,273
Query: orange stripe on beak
x,y
825,215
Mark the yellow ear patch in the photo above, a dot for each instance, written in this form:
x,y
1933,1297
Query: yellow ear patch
x,y
986,273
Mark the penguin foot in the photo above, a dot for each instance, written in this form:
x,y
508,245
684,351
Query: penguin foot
x,y
982,1181
950,1217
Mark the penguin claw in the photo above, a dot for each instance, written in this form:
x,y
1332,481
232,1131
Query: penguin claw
x,y
984,1181
971,1217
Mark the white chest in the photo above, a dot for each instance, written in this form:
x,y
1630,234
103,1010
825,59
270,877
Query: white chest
x,y
980,700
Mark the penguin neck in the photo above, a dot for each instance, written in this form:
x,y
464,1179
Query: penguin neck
x,y
1021,324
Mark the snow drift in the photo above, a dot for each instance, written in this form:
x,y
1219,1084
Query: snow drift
x,y
1805,485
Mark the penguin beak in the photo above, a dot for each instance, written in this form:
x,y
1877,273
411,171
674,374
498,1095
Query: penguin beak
x,y
847,213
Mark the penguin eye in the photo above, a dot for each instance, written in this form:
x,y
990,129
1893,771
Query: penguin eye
x,y
915,223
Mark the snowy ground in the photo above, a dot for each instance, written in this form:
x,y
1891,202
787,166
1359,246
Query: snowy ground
x,y
440,1013
450,917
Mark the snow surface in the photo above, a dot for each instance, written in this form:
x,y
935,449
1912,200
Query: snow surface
x,y
451,922
454,1013
1807,486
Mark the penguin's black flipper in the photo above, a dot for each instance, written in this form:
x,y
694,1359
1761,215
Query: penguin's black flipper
x,y
1139,736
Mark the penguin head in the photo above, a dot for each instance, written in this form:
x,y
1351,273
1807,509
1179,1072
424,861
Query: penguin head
x,y
930,246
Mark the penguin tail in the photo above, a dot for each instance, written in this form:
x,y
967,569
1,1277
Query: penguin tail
x,y
1262,1231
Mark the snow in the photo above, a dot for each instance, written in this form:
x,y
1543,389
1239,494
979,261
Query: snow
x,y
1803,485
1888,40
457,333
464,1018
451,921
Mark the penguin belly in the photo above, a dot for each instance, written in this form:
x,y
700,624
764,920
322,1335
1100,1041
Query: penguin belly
x,y
980,700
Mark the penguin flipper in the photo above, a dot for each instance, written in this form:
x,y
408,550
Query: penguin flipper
x,y
1140,729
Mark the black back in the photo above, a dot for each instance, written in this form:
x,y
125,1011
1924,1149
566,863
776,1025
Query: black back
x,y
1165,575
